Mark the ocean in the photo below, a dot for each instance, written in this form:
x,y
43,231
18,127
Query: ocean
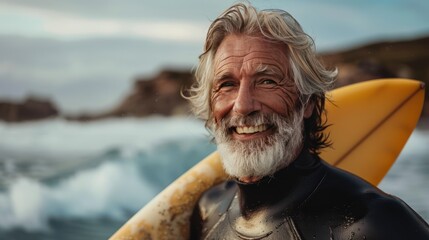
x,y
72,180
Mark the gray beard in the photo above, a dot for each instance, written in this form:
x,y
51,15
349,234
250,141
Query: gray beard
x,y
263,156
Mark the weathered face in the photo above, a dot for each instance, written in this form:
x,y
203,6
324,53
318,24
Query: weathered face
x,y
252,95
251,75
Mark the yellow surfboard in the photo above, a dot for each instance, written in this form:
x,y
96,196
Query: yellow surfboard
x,y
371,122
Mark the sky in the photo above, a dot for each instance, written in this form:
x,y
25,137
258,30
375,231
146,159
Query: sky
x,y
85,55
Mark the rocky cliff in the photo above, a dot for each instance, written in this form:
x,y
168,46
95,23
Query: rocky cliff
x,y
30,109
160,94
157,95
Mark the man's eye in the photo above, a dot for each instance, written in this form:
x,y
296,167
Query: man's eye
x,y
268,82
226,84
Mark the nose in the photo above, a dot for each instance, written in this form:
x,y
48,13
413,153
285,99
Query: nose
x,y
245,102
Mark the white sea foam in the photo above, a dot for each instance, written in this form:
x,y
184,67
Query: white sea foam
x,y
113,188
106,191
59,137
23,205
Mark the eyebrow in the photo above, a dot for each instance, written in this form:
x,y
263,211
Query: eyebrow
x,y
262,69
222,76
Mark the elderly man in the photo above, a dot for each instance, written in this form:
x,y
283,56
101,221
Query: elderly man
x,y
262,91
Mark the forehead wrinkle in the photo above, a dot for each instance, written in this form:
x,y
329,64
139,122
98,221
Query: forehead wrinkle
x,y
223,63
243,61
270,60
229,60
225,69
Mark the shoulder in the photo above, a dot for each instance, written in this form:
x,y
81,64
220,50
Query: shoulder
x,y
216,199
356,206
212,204
341,187
390,218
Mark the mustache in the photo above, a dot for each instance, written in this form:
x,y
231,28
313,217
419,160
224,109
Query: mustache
x,y
250,120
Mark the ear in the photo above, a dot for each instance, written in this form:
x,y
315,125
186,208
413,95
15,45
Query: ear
x,y
308,111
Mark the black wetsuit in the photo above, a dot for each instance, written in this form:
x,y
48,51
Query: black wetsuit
x,y
307,200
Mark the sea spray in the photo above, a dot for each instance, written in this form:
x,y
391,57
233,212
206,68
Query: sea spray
x,y
23,206
106,169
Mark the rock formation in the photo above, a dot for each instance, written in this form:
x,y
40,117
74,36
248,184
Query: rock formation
x,y
160,95
30,109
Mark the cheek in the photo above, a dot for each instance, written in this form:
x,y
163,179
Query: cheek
x,y
221,106
279,102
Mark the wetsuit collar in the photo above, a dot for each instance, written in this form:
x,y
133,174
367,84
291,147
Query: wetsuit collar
x,y
284,184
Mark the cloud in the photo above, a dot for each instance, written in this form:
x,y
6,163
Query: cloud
x,y
44,22
189,10
90,28
333,23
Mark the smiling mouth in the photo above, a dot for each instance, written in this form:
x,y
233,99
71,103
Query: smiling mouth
x,y
251,129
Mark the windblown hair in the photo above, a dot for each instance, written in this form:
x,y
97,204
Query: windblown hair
x,y
310,76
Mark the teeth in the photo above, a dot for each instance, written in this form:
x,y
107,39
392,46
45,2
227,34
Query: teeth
x,y
251,129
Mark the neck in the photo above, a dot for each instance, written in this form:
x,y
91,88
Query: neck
x,y
249,180
284,184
